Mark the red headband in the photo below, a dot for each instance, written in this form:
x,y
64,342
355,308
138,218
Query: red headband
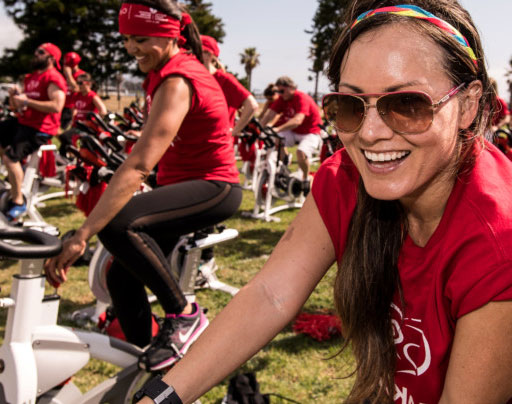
x,y
139,20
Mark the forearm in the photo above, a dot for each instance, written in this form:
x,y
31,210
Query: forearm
x,y
288,125
249,108
247,324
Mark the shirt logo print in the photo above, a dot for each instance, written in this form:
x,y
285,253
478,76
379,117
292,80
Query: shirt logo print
x,y
412,328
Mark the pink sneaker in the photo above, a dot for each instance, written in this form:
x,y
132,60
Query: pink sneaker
x,y
176,335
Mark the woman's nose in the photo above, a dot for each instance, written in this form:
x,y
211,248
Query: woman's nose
x,y
373,127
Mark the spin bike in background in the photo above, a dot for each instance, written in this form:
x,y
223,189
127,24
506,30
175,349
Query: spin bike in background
x,y
38,357
275,188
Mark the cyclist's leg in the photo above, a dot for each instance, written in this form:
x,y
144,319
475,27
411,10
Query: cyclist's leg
x,y
148,227
26,141
308,144
289,141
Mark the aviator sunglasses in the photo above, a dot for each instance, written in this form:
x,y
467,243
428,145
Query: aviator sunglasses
x,y
405,112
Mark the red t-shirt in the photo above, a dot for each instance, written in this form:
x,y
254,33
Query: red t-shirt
x,y
234,92
36,87
70,93
203,146
300,103
83,104
466,263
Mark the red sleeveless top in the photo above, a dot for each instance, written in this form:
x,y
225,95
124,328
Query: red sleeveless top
x,y
203,147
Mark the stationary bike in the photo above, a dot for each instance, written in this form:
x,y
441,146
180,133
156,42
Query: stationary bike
x,y
38,357
275,182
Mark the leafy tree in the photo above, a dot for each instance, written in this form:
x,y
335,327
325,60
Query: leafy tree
x,y
326,25
207,23
88,27
250,59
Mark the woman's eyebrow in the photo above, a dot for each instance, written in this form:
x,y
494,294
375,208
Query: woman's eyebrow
x,y
389,89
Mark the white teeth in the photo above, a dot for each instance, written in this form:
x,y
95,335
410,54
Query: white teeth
x,y
388,156
139,57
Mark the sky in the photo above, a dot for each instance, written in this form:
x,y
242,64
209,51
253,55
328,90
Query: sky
x,y
276,28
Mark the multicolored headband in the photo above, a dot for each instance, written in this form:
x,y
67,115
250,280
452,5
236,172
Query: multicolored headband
x,y
407,10
140,20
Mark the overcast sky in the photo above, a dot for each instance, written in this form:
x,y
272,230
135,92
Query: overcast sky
x,y
277,29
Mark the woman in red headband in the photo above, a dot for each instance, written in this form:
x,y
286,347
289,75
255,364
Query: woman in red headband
x,y
416,210
187,134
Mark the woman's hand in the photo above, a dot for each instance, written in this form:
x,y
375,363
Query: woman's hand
x,y
56,268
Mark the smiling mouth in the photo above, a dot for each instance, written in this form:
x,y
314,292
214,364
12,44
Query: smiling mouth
x,y
385,157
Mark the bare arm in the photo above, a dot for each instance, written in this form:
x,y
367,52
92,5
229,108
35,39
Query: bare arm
x,y
68,74
260,310
102,109
248,109
56,96
291,123
268,117
171,104
480,369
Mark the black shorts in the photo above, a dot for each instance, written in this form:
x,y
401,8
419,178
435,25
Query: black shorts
x,y
19,141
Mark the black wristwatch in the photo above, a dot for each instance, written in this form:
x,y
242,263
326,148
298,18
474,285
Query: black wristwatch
x,y
159,391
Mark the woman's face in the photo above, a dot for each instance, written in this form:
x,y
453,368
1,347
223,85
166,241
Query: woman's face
x,y
398,58
151,52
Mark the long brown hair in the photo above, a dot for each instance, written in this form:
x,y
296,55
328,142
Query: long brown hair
x,y
368,275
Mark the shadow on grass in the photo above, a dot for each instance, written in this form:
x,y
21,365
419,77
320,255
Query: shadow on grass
x,y
253,243
58,210
300,342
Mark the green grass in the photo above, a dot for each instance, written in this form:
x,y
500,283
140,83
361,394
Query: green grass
x,y
293,366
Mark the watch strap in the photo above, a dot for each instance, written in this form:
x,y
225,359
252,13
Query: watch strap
x,y
159,391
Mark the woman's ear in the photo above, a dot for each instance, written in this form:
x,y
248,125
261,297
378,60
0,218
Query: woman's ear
x,y
469,103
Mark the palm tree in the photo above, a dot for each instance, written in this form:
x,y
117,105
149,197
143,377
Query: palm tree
x,y
250,59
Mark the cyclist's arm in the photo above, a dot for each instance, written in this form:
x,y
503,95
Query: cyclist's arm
x,y
171,104
102,109
68,74
56,96
291,123
268,117
480,368
248,109
261,309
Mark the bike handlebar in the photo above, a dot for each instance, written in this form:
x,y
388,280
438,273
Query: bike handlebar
x,y
43,245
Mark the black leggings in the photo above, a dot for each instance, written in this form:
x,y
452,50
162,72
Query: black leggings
x,y
141,236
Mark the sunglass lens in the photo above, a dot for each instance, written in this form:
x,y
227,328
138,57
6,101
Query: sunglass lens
x,y
344,112
407,113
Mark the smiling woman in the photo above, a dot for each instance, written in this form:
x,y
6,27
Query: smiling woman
x,y
416,211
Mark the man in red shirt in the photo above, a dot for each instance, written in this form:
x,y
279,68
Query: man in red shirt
x,y
299,122
39,109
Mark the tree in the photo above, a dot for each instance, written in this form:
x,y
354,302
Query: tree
x,y
207,23
88,27
250,59
327,24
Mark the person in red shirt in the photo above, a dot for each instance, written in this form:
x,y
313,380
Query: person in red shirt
x,y
71,72
416,211
502,115
39,107
84,101
187,133
299,123
239,99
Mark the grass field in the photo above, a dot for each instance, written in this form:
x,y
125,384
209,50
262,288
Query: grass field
x,y
293,366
